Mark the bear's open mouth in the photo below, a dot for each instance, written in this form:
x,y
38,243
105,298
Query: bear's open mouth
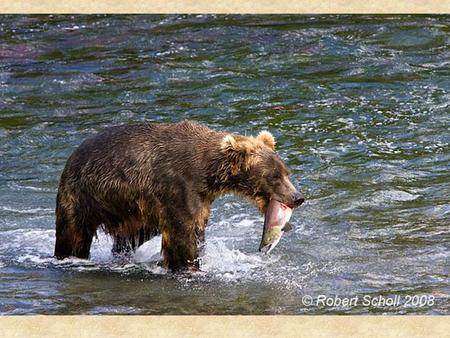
x,y
285,206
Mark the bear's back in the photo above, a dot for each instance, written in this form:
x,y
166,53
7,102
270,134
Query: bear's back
x,y
141,154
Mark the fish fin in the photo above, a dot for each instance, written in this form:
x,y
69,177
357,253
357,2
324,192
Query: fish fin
x,y
287,227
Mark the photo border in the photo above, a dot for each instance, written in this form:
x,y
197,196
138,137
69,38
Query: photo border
x,y
226,6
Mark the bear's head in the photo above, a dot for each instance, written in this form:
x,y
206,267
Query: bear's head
x,y
256,172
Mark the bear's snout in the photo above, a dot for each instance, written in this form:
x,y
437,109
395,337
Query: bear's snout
x,y
298,198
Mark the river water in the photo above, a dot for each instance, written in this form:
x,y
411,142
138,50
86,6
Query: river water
x,y
359,106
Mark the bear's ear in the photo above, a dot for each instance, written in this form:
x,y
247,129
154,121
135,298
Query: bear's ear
x,y
267,139
237,152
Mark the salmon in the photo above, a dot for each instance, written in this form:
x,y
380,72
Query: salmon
x,y
275,224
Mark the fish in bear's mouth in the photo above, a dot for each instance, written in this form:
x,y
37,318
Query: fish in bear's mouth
x,y
275,224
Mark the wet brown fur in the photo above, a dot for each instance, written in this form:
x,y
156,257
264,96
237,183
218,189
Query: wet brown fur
x,y
138,181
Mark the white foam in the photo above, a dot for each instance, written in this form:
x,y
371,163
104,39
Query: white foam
x,y
439,210
149,251
382,198
246,223
18,187
27,211
33,259
35,247
229,263
219,259
395,195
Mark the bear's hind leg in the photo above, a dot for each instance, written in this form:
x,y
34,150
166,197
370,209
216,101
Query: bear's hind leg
x,y
70,242
64,238
72,239
73,235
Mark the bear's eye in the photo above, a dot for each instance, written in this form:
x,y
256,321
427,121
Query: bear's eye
x,y
275,176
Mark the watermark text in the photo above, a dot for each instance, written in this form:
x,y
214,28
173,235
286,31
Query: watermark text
x,y
378,301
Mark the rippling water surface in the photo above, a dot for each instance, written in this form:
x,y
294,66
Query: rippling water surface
x,y
360,109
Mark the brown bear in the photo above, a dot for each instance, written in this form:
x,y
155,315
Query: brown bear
x,y
137,181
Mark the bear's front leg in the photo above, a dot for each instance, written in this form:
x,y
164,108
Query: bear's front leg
x,y
179,248
182,229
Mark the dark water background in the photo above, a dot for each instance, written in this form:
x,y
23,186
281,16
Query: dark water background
x,y
360,109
